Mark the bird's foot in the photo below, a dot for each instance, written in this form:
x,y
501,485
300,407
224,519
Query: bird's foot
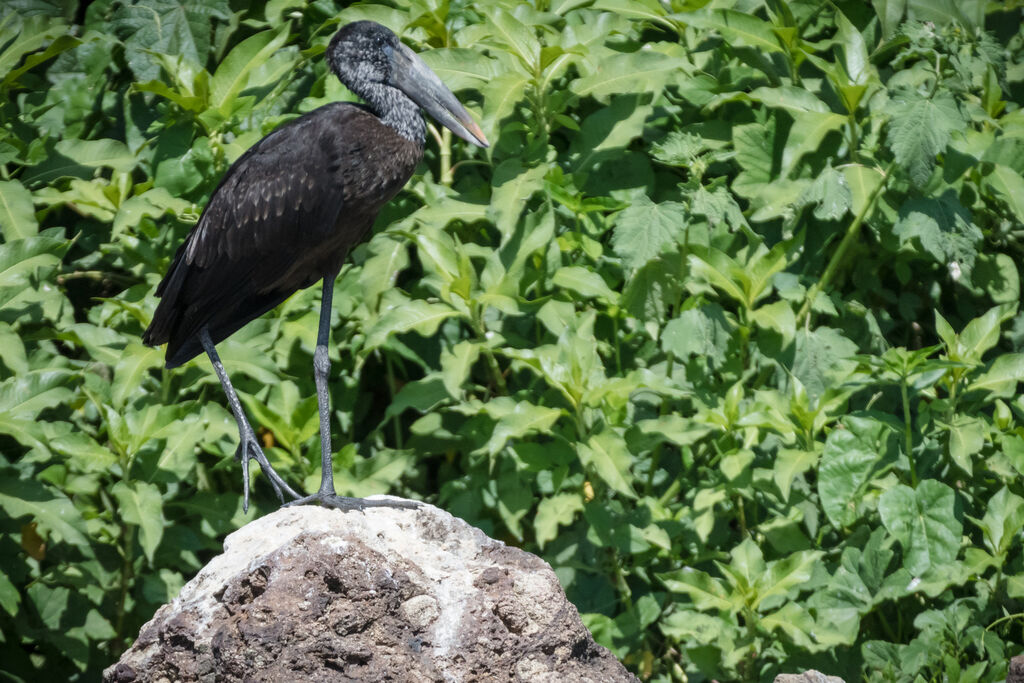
x,y
331,500
249,449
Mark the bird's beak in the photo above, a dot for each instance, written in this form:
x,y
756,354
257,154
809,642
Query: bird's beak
x,y
411,75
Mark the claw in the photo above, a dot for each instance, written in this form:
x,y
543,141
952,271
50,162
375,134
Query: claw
x,y
346,503
248,449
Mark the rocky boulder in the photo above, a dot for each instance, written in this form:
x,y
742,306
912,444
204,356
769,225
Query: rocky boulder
x,y
308,593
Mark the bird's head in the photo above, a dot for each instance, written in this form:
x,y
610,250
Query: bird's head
x,y
367,57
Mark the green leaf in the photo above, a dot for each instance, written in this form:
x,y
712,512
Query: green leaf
x,y
558,510
9,597
456,364
168,27
831,195
460,68
1001,379
513,33
17,215
1008,184
644,71
919,130
705,591
966,437
21,35
104,153
944,229
501,95
232,74
610,458
50,509
852,456
140,503
699,332
584,282
413,316
516,419
1003,521
131,370
789,463
924,522
512,186
738,28
645,229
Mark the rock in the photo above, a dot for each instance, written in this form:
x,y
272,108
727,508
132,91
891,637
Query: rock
x,y
312,594
811,676
1016,672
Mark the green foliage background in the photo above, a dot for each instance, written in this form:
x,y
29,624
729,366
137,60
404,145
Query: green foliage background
x,y
724,325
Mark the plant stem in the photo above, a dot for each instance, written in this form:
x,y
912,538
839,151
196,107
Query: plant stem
x,y
837,258
908,432
446,158
127,540
392,388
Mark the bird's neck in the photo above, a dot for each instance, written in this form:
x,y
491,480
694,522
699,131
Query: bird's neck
x,y
396,110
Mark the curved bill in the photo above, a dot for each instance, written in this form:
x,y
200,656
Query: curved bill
x,y
412,76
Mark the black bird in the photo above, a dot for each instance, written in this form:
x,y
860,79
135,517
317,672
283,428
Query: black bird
x,y
289,210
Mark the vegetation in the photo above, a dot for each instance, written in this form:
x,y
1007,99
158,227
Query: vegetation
x,y
724,325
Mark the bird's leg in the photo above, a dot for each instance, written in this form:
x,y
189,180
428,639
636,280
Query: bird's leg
x,y
248,446
326,495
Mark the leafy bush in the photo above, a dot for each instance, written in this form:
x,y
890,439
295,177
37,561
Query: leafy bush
x,y
724,325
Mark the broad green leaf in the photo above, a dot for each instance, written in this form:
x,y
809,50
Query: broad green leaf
x,y
830,194
414,316
460,68
1002,377
50,509
17,215
456,364
232,74
643,71
645,229
558,510
27,395
966,438
169,27
786,576
944,229
852,457
514,34
584,282
154,203
1003,521
738,28
99,153
919,130
512,186
515,420
789,463
131,370
925,523
1010,186
178,454
422,395
501,95
702,332
21,35
9,597
610,458
705,591
140,503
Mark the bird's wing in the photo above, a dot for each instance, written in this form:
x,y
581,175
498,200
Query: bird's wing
x,y
270,222
284,193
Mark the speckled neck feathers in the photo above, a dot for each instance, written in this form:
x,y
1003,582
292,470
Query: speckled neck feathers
x,y
394,109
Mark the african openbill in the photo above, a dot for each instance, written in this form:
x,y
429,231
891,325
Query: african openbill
x,y
289,210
